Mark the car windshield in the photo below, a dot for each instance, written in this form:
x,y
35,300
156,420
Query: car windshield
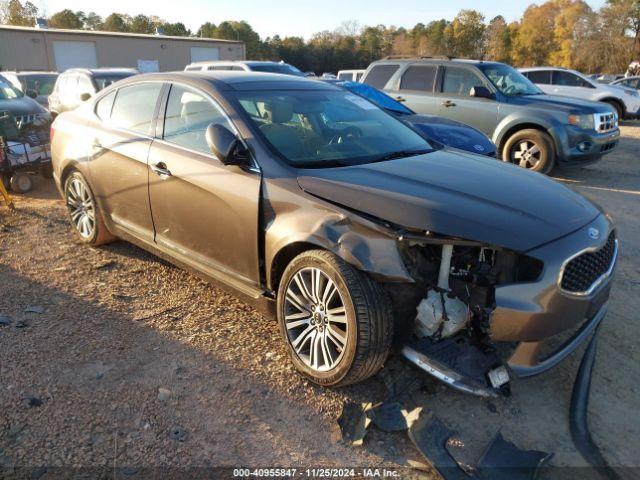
x,y
509,81
43,84
284,68
327,128
104,80
8,92
376,96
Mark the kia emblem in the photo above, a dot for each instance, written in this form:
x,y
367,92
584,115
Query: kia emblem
x,y
594,233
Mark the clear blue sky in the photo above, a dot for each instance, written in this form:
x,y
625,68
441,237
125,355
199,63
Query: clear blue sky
x,y
301,17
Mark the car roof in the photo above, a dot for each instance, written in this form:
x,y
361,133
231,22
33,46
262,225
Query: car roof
x,y
408,59
237,62
239,80
94,71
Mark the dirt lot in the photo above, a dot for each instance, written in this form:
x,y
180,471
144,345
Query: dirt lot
x,y
119,324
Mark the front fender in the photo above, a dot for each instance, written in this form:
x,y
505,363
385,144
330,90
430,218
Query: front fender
x,y
305,219
515,120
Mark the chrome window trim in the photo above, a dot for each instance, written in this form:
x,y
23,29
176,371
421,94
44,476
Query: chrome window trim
x,y
599,281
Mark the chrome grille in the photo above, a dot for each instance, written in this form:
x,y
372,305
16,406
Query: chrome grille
x,y
584,272
605,122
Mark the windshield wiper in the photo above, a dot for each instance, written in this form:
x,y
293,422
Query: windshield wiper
x,y
321,164
400,154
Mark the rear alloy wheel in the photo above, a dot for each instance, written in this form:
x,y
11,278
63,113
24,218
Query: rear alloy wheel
x,y
335,320
530,149
83,211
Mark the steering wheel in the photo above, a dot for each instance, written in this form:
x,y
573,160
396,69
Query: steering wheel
x,y
342,135
510,89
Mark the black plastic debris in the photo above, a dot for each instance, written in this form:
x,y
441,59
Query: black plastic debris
x,y
33,402
502,460
178,433
430,436
21,324
388,417
35,309
578,415
353,422
5,320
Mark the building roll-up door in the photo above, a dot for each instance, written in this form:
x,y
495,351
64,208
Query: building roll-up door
x,y
74,54
202,54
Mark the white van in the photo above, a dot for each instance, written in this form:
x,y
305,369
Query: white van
x,y
351,75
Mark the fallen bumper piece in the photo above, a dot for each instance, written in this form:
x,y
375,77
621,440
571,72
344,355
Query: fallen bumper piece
x,y
502,460
353,422
460,364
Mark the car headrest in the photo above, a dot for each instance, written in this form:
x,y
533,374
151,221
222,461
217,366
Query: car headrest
x,y
191,109
279,111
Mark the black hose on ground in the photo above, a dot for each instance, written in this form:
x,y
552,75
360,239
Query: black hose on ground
x,y
578,415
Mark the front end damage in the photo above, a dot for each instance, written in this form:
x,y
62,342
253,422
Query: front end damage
x,y
475,313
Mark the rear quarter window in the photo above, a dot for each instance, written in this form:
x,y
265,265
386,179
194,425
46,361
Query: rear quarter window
x,y
379,75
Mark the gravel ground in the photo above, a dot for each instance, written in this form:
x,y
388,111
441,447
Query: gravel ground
x,y
133,362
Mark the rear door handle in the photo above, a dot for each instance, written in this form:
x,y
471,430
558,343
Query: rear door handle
x,y
161,169
448,104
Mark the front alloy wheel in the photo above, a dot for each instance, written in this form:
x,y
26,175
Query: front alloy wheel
x,y
316,319
526,154
335,320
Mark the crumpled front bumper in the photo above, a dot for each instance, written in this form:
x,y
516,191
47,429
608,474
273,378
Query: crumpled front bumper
x,y
530,313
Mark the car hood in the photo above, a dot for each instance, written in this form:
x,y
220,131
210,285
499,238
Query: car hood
x,y
452,133
21,106
457,194
567,104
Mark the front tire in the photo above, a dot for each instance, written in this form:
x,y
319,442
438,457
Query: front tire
x,y
530,149
336,321
83,210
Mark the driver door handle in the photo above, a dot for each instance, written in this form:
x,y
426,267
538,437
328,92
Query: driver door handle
x,y
448,103
161,169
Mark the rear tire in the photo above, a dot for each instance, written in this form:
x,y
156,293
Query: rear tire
x,y
21,183
531,149
84,213
334,337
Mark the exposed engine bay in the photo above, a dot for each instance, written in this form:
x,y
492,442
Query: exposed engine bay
x,y
448,312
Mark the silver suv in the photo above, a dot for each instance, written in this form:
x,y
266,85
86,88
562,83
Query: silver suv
x,y
530,129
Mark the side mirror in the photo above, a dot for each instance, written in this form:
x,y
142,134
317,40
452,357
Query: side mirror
x,y
31,93
225,145
480,91
85,96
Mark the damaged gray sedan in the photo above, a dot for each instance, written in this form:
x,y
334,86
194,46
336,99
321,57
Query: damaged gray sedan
x,y
358,233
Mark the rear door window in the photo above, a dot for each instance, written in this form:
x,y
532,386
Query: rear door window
x,y
134,107
568,79
379,75
419,77
459,81
542,77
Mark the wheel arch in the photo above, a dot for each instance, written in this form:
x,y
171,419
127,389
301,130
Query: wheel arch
x,y
509,132
285,255
615,101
